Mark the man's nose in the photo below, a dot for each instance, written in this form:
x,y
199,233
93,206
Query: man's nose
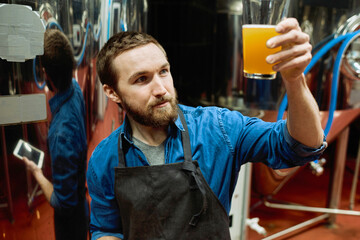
x,y
158,87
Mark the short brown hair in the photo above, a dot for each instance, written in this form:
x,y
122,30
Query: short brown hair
x,y
117,44
58,58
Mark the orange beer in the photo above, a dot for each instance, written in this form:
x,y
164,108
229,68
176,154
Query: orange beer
x,y
255,50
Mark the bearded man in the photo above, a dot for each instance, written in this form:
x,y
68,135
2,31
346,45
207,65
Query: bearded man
x,y
169,171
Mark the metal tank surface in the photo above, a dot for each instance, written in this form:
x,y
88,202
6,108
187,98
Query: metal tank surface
x,y
230,88
325,22
228,84
88,25
321,20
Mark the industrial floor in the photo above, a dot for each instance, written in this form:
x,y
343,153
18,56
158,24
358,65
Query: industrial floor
x,y
310,190
304,188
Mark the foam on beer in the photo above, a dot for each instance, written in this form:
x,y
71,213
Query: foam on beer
x,y
258,26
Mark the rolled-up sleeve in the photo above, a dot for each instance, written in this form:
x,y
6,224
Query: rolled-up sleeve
x,y
301,149
255,140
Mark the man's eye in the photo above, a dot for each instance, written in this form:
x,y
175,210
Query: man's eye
x,y
140,80
163,71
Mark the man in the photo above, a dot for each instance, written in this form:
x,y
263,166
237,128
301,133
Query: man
x,y
203,149
66,141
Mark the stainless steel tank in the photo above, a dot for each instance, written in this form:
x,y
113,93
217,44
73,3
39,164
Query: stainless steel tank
x,y
324,21
88,24
319,19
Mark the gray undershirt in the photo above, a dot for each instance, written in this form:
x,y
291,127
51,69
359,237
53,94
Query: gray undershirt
x,y
155,155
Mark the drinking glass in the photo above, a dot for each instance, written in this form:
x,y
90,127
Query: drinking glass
x,y
259,20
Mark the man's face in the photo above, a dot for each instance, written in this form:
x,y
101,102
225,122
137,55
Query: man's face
x,y
145,86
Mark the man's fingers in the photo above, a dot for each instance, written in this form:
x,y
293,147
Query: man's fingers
x,y
25,159
290,38
287,24
297,62
289,52
30,165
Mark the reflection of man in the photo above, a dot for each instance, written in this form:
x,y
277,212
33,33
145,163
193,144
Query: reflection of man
x,y
66,140
158,190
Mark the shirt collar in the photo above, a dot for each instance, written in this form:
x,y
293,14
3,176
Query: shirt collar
x,y
125,131
60,98
178,123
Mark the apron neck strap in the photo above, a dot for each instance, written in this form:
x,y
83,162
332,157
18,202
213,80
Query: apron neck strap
x,y
189,166
121,153
185,139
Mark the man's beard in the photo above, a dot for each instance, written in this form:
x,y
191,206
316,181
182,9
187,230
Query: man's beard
x,y
152,116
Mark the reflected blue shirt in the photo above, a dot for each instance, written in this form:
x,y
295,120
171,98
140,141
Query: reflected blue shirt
x,y
68,147
221,141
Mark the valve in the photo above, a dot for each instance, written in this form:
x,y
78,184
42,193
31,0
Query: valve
x,y
317,166
254,225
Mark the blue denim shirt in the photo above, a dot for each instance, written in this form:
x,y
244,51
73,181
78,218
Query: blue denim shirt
x,y
68,147
221,141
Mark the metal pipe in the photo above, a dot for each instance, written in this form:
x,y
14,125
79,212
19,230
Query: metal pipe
x,y
32,195
311,209
296,227
355,179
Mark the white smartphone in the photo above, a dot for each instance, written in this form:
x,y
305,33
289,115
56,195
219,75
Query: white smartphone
x,y
24,149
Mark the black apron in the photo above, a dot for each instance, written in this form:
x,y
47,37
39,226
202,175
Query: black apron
x,y
170,201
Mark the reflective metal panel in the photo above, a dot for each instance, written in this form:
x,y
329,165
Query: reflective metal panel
x,y
88,24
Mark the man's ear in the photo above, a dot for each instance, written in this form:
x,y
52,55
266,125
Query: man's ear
x,y
110,92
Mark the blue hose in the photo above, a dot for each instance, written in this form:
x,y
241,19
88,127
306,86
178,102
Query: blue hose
x,y
41,87
314,60
336,73
84,46
320,44
52,24
96,37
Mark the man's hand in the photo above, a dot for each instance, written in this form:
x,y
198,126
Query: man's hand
x,y
296,50
31,166
303,120
45,184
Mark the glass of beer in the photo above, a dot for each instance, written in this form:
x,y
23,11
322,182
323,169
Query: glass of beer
x,y
260,18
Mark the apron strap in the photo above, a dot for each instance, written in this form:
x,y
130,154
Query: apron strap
x,y
188,165
121,154
185,140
